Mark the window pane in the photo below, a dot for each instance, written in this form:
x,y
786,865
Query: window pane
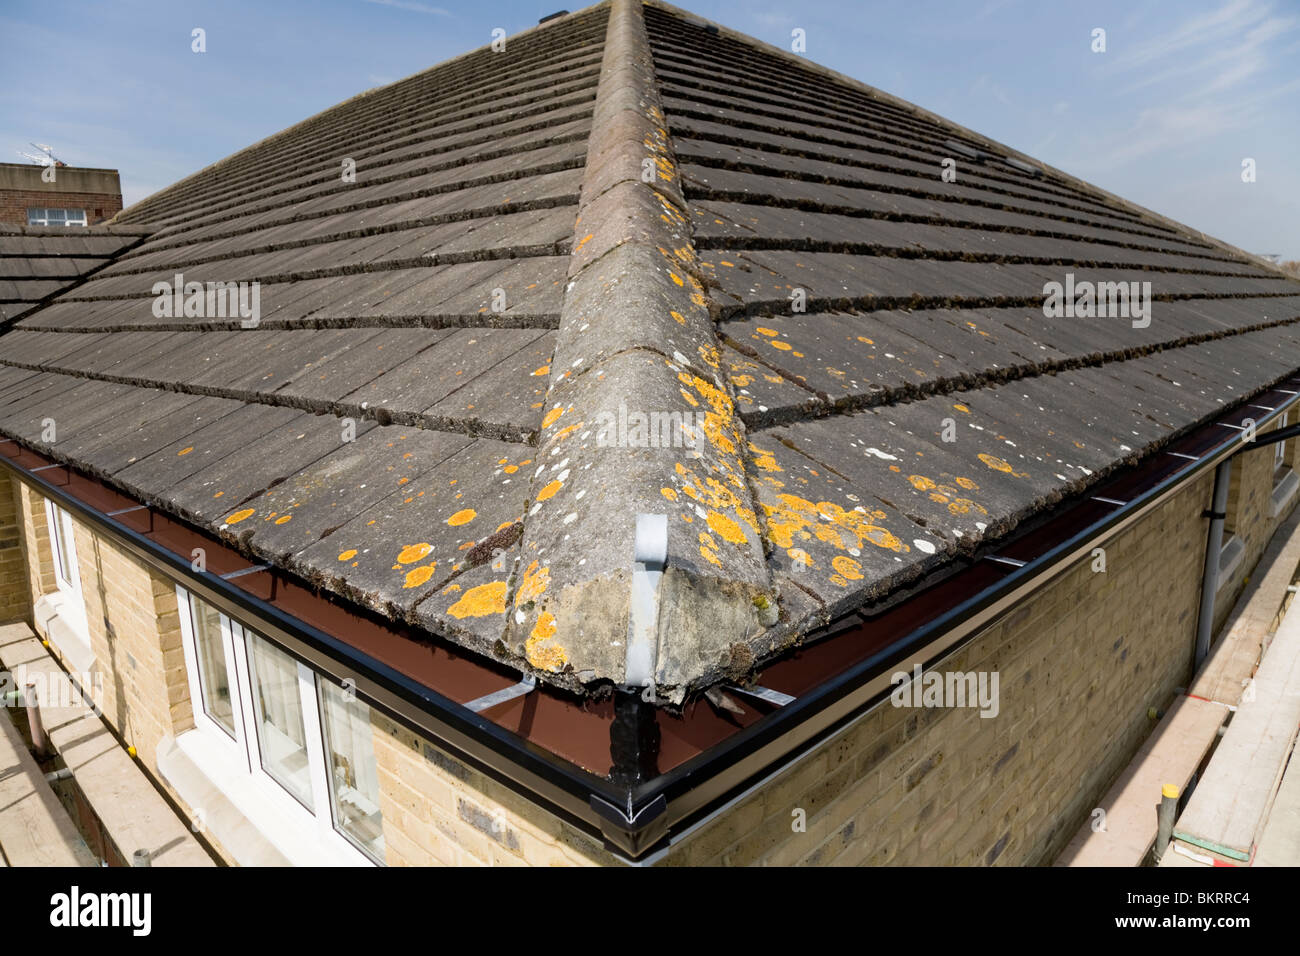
x,y
210,652
353,780
62,554
278,709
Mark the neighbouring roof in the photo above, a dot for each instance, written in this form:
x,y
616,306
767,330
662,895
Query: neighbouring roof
x,y
501,279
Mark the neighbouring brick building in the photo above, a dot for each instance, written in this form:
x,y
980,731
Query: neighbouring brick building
x,y
76,196
363,582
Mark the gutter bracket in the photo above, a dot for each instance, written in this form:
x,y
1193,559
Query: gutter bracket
x,y
480,704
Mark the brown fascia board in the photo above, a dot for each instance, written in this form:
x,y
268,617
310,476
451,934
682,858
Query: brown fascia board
x,y
985,142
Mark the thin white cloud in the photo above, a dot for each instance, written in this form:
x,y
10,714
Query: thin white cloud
x,y
1232,18
412,6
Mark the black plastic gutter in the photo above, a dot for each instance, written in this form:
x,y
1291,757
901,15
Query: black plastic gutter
x,y
641,818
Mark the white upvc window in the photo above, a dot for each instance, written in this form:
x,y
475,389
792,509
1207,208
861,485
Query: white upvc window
x,y
289,747
1279,449
71,606
56,217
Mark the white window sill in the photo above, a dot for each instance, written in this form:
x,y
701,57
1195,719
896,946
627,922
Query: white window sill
x,y
1284,492
64,625
297,838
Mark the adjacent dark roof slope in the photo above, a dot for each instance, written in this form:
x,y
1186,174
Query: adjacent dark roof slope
x,y
38,262
478,500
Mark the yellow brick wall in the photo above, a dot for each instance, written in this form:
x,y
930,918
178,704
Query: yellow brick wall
x,y
15,589
1250,516
439,812
35,535
135,634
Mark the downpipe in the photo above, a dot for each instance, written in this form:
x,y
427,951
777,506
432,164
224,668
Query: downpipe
x,y
1213,547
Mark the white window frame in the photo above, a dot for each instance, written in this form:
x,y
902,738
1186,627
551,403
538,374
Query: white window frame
x,y
71,604
80,219
1279,448
305,835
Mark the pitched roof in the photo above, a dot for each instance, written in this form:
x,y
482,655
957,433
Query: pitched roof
x,y
500,283
38,262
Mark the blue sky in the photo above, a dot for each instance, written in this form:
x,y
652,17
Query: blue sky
x,y
1185,90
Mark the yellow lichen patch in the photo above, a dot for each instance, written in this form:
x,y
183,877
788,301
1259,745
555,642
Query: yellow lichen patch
x,y
283,519
708,549
544,654
551,416
741,381
185,451
669,493
770,333
464,516
676,278
510,469
725,528
544,370
545,626
998,464
549,491
865,340
414,552
677,317
800,557
847,567
218,494
719,423
939,498
690,399
920,482
797,518
348,555
781,346
710,355
418,576
535,584
583,241
239,516
967,484
764,459
839,579
480,601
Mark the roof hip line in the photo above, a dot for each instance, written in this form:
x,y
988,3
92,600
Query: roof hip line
x,y
639,420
